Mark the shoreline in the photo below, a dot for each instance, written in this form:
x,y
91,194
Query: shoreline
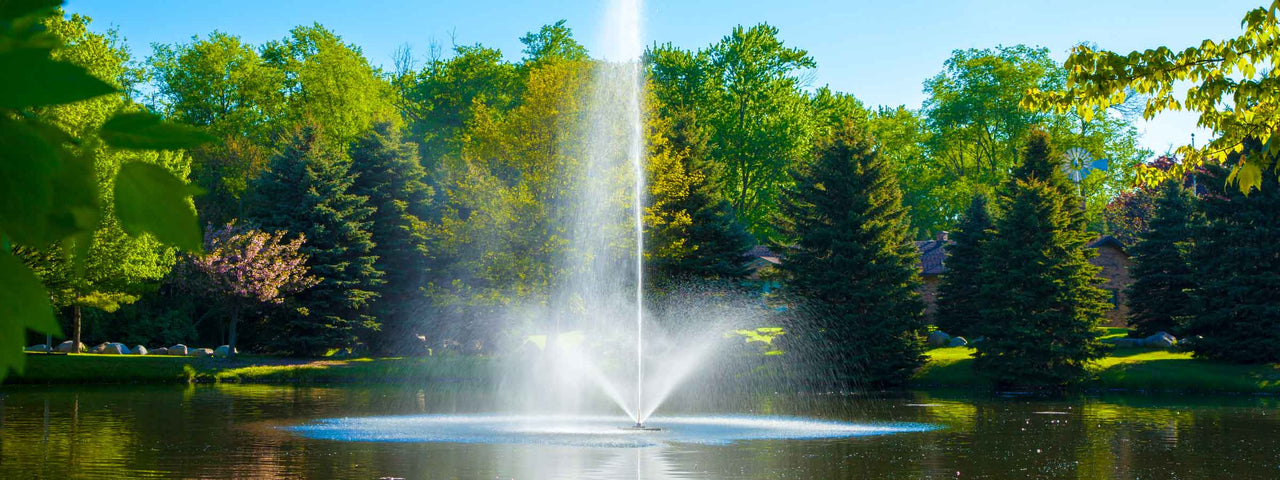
x,y
1131,370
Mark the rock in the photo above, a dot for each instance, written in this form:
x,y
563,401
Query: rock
x,y
221,352
200,352
178,349
159,351
958,342
115,348
65,347
42,348
1160,340
939,338
99,348
139,350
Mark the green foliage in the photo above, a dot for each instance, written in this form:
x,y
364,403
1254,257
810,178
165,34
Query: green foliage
x,y
960,300
149,199
1160,295
330,85
853,259
1236,259
1230,88
1041,305
51,106
759,118
387,172
307,190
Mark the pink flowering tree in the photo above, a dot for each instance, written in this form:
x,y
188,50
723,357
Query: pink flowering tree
x,y
242,266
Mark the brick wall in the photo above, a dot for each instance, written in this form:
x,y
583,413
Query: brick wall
x,y
1115,270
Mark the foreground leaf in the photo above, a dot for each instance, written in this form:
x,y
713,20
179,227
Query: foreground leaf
x,y
32,79
142,130
11,9
24,304
149,199
28,163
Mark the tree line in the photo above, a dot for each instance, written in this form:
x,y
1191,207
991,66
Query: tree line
x,y
426,200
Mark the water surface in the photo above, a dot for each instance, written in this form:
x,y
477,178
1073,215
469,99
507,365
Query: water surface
x,y
247,431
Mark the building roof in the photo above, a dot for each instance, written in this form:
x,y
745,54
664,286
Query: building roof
x,y
1108,241
764,254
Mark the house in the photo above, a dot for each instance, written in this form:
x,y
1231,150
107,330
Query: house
x,y
1112,257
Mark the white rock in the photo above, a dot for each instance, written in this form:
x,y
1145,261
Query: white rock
x,y
37,348
66,347
139,350
939,338
178,349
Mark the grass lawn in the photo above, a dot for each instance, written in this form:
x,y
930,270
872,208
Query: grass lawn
x,y
1125,369
88,368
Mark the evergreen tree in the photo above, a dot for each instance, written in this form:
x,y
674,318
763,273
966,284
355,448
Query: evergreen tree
x,y
1236,258
387,172
854,260
307,190
697,232
1042,306
1160,295
960,299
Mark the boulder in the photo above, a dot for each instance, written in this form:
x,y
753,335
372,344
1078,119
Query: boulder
x,y
939,338
98,348
66,347
159,351
42,348
139,350
115,348
178,349
1160,340
221,352
200,352
958,342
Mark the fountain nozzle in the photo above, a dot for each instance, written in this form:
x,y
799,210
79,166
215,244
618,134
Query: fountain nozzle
x,y
641,427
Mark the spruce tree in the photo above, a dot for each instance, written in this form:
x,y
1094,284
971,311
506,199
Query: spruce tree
x,y
1160,295
854,261
387,172
1236,259
307,190
960,300
1042,304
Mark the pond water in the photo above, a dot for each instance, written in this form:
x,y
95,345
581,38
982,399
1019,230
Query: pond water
x,y
249,431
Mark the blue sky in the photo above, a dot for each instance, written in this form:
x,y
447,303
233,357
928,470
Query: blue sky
x,y
881,51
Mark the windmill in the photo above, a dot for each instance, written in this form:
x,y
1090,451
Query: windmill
x,y
1080,163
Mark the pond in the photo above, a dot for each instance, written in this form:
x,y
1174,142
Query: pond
x,y
254,431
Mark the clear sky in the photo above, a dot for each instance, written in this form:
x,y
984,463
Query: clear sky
x,y
881,51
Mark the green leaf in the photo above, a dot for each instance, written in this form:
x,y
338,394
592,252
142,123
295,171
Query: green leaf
x,y
149,199
1248,175
142,130
24,304
32,79
27,165
11,9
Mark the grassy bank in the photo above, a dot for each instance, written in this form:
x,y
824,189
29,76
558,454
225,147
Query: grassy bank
x,y
1124,369
85,368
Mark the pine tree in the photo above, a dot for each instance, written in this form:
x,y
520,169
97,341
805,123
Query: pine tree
x,y
1042,304
1160,295
1236,259
307,190
960,299
854,261
387,171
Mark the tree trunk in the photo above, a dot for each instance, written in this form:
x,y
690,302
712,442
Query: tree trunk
x,y
231,343
75,328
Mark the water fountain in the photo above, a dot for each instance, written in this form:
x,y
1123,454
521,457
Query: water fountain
x,y
598,311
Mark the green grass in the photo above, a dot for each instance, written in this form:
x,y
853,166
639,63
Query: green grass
x,y
1124,369
87,368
